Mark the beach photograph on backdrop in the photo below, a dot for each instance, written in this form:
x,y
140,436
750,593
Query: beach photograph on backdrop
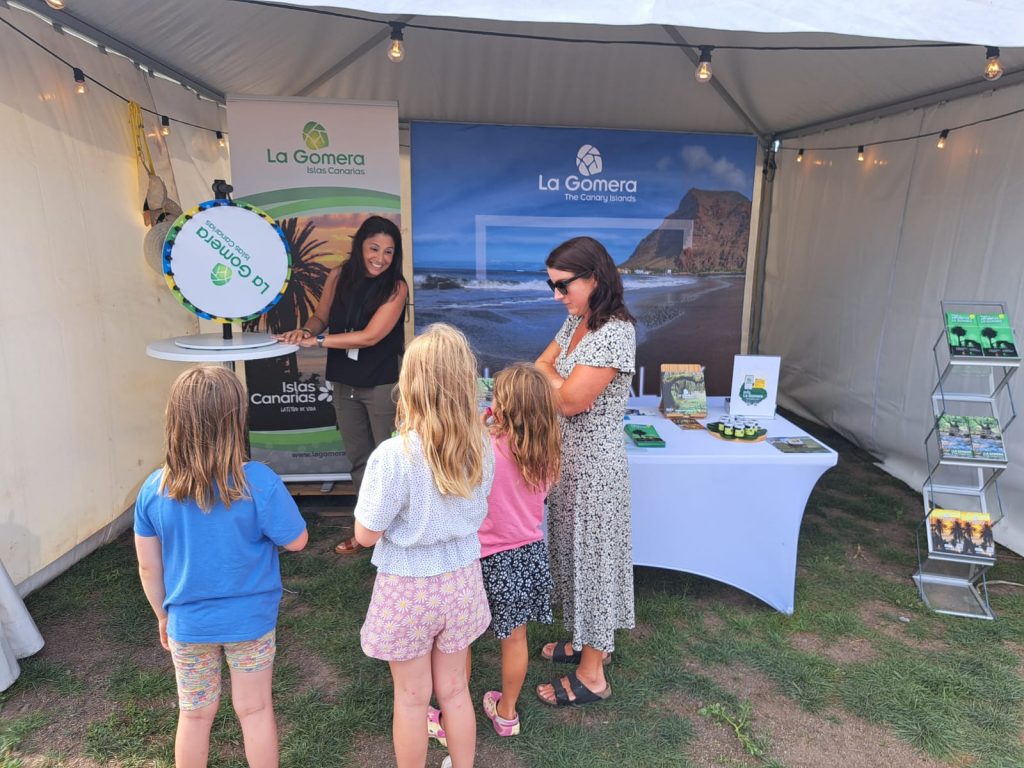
x,y
490,202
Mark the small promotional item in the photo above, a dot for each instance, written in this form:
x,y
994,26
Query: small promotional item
x,y
644,436
737,429
755,384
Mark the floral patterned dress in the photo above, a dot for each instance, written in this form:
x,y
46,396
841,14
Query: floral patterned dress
x,y
589,512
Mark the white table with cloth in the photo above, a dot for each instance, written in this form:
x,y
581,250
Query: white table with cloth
x,y
727,510
18,634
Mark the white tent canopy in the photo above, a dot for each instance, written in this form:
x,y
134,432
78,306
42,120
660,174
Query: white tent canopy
x,y
966,21
855,260
227,46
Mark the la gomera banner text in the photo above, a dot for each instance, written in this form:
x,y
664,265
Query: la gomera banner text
x,y
319,168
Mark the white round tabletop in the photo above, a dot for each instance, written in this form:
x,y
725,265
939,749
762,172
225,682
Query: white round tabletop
x,y
170,349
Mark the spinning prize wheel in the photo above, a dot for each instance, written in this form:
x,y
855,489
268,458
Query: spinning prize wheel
x,y
229,262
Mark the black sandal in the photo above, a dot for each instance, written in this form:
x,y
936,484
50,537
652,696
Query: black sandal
x,y
583,694
559,656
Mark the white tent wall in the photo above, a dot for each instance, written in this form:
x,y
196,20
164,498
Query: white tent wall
x,y
80,402
860,255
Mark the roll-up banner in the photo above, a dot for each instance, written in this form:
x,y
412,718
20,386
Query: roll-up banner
x,y
319,168
673,209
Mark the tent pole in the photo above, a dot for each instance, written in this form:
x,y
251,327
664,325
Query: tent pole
x,y
764,214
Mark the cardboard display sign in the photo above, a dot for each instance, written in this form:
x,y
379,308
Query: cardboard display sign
x,y
226,261
755,386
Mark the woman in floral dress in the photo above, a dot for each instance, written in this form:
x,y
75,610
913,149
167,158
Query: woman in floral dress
x,y
590,363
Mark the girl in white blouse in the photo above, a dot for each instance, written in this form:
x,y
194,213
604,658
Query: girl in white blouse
x,y
423,498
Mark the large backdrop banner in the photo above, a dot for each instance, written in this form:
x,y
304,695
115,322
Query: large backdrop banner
x,y
490,202
319,168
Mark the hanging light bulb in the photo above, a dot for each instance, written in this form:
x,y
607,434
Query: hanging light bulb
x,y
57,5
800,156
993,67
941,143
165,126
79,80
703,72
396,48
860,154
220,139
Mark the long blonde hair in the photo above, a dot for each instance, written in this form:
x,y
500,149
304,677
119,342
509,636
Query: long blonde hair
x,y
206,421
525,413
437,400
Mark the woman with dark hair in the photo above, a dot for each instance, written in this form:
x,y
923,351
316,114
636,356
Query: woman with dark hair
x,y
359,321
590,363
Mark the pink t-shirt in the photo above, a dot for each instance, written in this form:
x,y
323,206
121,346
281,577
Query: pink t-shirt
x,y
514,512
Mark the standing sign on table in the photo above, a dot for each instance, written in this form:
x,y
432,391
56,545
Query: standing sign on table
x,y
490,202
319,168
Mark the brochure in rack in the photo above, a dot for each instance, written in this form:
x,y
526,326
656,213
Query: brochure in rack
x,y
963,334
987,438
955,437
980,334
951,531
996,335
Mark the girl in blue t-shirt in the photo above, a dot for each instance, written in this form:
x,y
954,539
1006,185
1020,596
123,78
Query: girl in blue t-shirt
x,y
423,498
207,529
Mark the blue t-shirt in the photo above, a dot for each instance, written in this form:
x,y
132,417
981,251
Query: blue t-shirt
x,y
221,572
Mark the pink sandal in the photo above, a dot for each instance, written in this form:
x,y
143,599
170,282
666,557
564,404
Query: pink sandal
x,y
434,729
502,726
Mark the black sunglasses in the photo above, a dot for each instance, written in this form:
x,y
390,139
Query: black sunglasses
x,y
562,286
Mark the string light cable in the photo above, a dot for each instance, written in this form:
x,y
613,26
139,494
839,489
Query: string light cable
x,y
80,76
991,71
396,36
943,135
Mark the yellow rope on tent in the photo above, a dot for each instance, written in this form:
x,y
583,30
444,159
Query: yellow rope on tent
x,y
139,137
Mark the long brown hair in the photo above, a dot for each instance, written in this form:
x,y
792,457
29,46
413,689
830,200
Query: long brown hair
x,y
587,257
525,413
206,420
437,400
356,290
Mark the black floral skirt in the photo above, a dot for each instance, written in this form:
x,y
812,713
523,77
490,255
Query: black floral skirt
x,y
518,585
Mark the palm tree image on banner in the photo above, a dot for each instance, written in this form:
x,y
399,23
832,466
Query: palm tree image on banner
x,y
291,408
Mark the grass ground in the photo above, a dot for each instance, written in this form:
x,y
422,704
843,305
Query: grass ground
x,y
860,675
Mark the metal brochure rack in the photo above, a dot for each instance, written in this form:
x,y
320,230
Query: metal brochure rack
x,y
951,572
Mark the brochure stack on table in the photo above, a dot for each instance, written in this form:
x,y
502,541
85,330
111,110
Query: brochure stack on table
x,y
972,404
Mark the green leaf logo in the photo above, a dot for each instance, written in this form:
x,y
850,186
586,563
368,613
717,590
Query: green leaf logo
x,y
315,135
220,274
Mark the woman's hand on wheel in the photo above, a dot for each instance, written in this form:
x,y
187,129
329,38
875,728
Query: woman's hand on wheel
x,y
294,337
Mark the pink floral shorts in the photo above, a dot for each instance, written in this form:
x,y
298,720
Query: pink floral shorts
x,y
408,615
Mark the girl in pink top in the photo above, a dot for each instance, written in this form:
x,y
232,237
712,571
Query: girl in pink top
x,y
514,557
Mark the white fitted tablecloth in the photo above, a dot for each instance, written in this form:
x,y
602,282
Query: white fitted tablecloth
x,y
18,634
729,511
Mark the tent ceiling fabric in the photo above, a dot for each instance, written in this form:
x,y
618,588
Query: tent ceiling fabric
x,y
981,22
260,49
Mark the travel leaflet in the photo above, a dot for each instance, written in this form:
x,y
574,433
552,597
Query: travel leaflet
x,y
987,438
955,437
996,335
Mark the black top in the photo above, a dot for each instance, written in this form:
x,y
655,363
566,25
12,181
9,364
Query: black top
x,y
375,365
